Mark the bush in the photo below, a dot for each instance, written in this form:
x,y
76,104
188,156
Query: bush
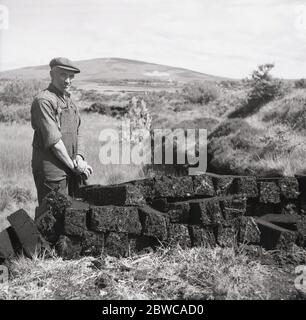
x,y
20,91
200,92
300,84
263,89
108,110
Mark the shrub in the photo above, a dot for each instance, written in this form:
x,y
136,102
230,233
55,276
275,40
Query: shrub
x,y
20,91
300,84
108,110
200,92
263,89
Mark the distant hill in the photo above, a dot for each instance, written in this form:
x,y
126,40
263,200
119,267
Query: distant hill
x,y
109,69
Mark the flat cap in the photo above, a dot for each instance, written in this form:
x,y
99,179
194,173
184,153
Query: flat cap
x,y
64,63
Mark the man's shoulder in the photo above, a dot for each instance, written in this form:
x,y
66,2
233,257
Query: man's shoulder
x,y
45,96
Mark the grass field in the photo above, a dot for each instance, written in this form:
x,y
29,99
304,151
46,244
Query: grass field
x,y
15,162
198,273
270,141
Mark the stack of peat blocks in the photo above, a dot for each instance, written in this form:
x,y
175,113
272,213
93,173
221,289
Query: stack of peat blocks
x,y
204,210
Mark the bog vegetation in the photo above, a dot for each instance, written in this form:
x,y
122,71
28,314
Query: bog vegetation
x,y
255,126
168,273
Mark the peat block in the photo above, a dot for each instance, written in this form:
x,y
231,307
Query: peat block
x,y
289,187
206,212
173,187
247,186
117,244
249,231
233,208
154,222
203,237
269,192
114,218
203,185
27,233
75,222
119,195
178,234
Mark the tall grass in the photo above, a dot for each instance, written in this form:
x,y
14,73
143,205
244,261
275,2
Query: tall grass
x,y
197,273
15,162
105,173
15,154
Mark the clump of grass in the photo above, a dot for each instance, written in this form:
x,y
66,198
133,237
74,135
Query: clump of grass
x,y
19,195
197,273
13,198
285,163
108,110
43,278
10,194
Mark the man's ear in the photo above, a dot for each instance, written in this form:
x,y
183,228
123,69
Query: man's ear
x,y
52,73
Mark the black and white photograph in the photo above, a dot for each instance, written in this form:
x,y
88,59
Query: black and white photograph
x,y
152,151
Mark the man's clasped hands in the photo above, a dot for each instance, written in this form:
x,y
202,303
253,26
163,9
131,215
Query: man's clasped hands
x,y
81,167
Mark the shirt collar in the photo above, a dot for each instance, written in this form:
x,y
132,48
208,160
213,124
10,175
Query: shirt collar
x,y
53,89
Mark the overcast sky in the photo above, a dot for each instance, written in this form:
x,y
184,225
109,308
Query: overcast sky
x,y
219,37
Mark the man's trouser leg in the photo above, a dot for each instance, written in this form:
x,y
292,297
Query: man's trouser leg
x,y
43,186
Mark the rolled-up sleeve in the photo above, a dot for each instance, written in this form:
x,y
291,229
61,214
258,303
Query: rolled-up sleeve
x,y
44,120
80,141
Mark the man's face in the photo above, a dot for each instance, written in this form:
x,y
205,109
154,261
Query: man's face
x,y
62,79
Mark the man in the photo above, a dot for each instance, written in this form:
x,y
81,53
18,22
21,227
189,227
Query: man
x,y
58,150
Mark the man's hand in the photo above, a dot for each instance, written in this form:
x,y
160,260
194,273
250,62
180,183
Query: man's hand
x,y
80,163
82,167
